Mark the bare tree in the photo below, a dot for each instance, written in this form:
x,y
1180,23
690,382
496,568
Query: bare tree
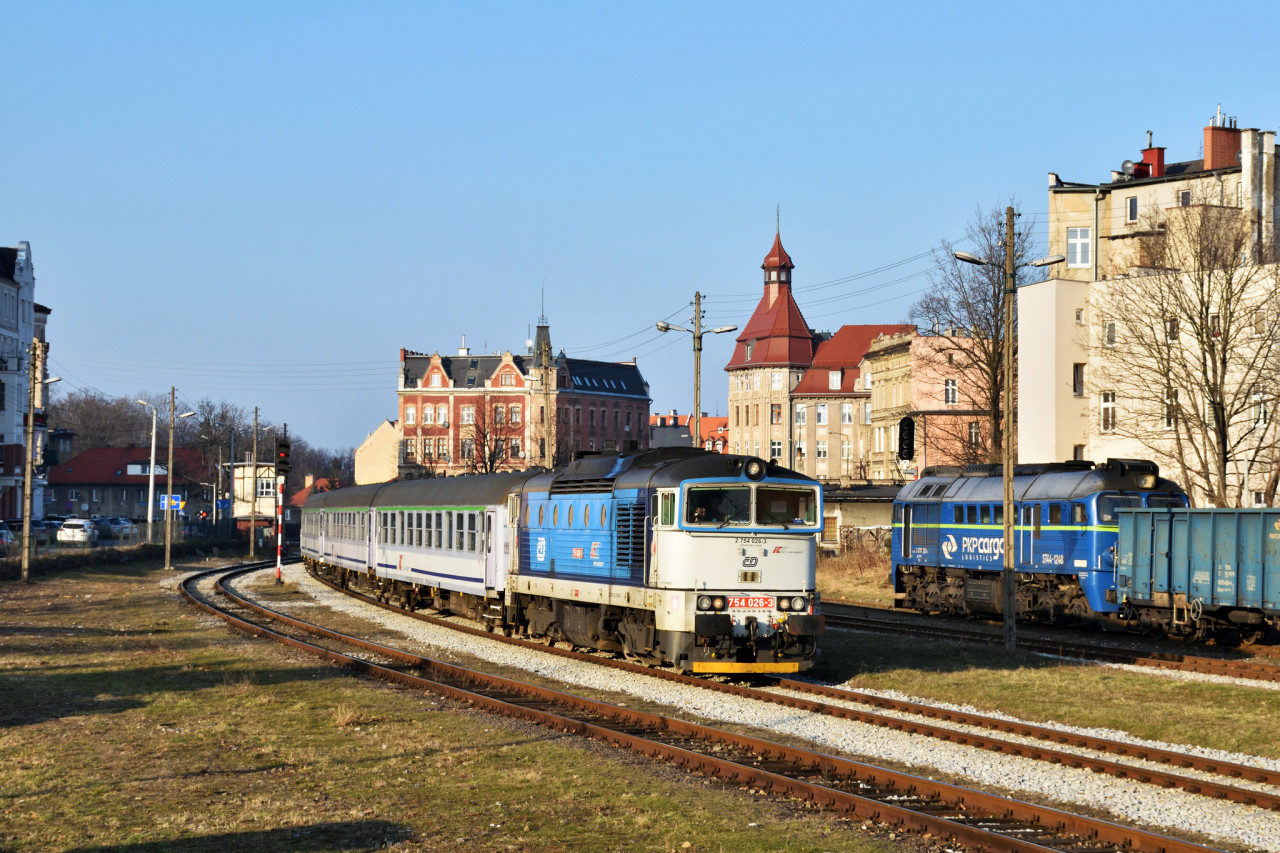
x,y
487,444
964,311
1186,351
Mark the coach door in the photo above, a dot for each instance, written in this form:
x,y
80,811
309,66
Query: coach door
x,y
492,571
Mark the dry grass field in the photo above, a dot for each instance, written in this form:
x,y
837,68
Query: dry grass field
x,y
130,723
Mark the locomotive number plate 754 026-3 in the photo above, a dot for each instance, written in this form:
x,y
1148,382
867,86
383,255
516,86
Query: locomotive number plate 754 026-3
x,y
751,601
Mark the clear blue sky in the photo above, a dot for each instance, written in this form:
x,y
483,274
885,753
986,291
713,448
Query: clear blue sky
x,y
262,202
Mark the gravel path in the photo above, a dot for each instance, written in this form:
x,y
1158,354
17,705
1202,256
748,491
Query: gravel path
x,y
1249,827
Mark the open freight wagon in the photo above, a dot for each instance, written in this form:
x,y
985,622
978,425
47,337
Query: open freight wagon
x,y
1200,572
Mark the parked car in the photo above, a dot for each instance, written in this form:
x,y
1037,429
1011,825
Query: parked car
x,y
8,543
105,530
39,532
78,531
124,528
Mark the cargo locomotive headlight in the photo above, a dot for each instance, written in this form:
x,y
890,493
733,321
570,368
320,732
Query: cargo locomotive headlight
x,y
799,603
755,469
708,602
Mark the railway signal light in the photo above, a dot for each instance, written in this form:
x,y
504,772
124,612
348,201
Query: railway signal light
x,y
282,456
906,439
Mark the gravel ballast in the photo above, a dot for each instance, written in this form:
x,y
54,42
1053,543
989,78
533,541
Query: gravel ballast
x,y
1251,827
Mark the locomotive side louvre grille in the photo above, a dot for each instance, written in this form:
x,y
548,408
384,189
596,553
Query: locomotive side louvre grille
x,y
629,524
579,487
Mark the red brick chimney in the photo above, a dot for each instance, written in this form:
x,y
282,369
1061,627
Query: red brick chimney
x,y
1221,146
1154,160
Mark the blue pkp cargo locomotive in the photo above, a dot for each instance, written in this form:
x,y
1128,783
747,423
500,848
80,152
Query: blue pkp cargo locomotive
x,y
948,537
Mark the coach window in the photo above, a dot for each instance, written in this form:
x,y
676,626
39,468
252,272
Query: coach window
x,y
417,538
461,544
448,531
471,532
439,531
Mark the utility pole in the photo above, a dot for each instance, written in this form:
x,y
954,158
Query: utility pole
x,y
168,483
280,504
253,510
695,423
1006,443
35,370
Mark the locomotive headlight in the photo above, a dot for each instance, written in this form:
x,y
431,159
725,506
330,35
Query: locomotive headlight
x,y
717,603
754,469
704,602
798,603
784,604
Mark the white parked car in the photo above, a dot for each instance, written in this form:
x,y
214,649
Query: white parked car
x,y
78,531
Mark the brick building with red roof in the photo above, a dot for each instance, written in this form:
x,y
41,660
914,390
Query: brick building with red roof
x,y
113,481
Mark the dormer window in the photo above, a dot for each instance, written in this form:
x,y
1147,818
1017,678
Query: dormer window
x,y
783,275
773,275
751,345
833,380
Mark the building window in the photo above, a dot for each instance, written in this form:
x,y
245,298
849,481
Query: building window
x,y
428,414
950,392
755,382
751,347
499,414
775,413
775,449
820,411
1259,499
846,413
508,379
1184,198
94,496
1215,325
1079,316
468,414
833,380
442,415
516,414
435,380
266,488
821,451
775,380
800,414
515,448
1109,333
410,414
1078,245
1108,411
799,449
1170,408
1171,329
1077,379
975,434
1261,416
1131,209
468,449
1077,452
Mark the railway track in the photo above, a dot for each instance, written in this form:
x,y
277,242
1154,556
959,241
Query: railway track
x,y
883,622
935,722
973,818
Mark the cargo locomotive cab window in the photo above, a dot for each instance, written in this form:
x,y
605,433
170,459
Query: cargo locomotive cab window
x,y
1077,514
1055,514
986,514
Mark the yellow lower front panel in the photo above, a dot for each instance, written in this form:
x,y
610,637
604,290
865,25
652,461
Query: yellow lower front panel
x,y
730,666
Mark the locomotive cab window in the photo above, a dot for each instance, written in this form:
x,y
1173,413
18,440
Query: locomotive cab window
x,y
985,514
972,513
775,505
1078,514
1108,504
718,505
1164,501
1055,513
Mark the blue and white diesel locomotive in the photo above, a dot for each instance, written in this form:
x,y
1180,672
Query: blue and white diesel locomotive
x,y
678,556
948,538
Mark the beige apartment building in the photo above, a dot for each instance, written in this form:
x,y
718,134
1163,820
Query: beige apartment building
x,y
926,378
1165,270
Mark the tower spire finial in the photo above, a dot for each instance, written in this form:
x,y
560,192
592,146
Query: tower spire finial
x,y
778,219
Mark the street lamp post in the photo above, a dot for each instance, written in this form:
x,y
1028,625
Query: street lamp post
x,y
695,423
1008,578
151,472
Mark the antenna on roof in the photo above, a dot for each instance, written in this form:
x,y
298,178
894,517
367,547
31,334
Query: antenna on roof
x,y
542,318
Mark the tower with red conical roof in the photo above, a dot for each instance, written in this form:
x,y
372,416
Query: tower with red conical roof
x,y
772,352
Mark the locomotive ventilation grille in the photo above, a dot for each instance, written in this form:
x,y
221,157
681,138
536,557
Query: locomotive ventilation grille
x,y
629,518
578,487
